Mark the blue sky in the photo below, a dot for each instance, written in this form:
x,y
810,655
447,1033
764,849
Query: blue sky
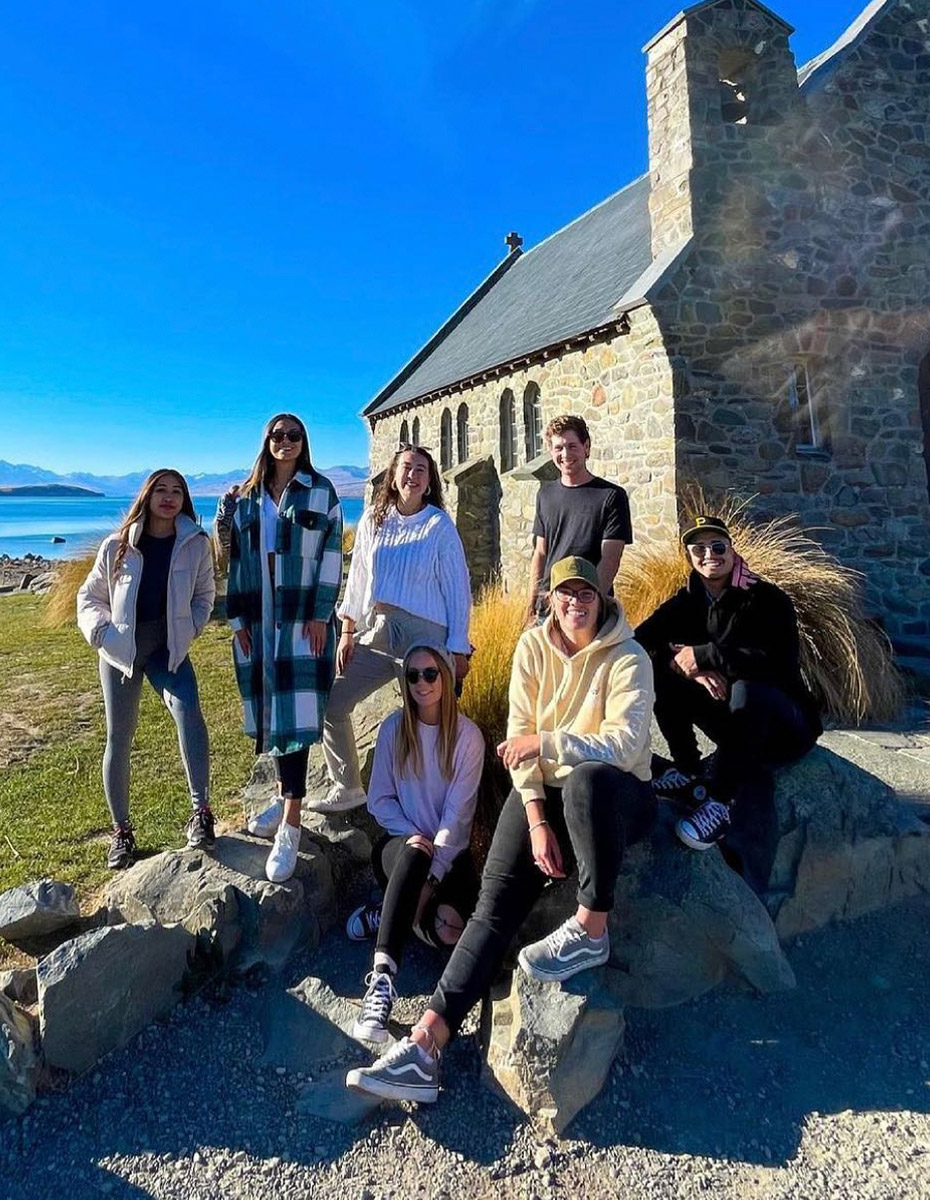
x,y
212,211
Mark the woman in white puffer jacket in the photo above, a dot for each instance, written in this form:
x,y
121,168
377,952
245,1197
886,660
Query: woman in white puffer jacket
x,y
148,595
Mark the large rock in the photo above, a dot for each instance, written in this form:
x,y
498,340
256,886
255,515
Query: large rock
x,y
36,909
848,846
20,985
225,893
549,1047
18,1062
102,988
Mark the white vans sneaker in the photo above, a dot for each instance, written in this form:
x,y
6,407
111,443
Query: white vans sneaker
x,y
338,799
265,824
282,861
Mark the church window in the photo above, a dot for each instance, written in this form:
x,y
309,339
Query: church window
x,y
461,432
735,86
508,431
404,439
806,429
445,440
532,422
416,431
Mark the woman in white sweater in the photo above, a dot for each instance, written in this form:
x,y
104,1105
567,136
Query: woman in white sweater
x,y
423,790
408,583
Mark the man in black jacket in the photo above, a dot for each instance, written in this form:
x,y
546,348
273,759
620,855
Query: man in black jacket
x,y
725,652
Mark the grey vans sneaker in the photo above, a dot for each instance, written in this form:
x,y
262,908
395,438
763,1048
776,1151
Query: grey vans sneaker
x,y
563,953
405,1072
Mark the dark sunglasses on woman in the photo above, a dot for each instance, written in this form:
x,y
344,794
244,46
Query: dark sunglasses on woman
x,y
429,674
286,435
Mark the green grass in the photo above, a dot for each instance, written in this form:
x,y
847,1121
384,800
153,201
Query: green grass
x,y
53,817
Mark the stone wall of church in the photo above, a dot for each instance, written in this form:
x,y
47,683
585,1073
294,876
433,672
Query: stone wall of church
x,y
812,253
623,389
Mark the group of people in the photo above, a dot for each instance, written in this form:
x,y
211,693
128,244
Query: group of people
x,y
722,656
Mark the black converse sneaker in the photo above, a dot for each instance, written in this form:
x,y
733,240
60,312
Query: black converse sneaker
x,y
364,922
405,1072
122,851
372,1025
201,829
705,826
680,788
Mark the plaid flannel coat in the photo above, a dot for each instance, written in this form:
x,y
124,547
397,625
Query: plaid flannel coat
x,y
283,686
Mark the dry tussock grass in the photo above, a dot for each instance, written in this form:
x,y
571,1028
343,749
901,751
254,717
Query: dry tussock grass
x,y
61,604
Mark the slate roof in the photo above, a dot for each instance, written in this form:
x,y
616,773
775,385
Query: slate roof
x,y
814,74
566,285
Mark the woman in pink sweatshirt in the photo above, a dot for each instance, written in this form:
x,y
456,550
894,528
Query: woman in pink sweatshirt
x,y
423,790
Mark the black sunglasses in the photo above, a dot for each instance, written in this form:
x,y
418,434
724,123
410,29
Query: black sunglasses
x,y
286,435
699,550
429,675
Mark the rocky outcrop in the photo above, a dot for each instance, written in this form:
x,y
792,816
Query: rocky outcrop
x,y
848,846
37,909
100,989
18,1061
20,985
550,1047
225,894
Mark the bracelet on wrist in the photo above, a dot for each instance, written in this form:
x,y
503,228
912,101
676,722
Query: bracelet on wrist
x,y
538,825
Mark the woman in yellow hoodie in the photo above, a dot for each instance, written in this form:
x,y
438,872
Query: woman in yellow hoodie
x,y
577,749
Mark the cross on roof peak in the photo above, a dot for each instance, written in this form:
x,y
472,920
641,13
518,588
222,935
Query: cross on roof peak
x,y
513,240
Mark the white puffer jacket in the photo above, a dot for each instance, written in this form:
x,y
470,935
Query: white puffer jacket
x,y
106,604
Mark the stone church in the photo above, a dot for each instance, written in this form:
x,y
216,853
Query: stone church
x,y
753,313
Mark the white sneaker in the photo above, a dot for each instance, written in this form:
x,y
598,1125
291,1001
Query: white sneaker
x,y
282,861
265,824
338,799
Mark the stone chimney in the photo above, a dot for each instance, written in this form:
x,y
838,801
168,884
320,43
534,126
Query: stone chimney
x,y
718,77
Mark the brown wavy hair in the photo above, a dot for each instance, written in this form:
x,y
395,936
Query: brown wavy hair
x,y
407,749
386,495
140,509
262,471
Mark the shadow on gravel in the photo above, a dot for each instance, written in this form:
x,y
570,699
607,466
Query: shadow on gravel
x,y
735,1075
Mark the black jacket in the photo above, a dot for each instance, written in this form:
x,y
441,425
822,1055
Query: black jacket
x,y
746,633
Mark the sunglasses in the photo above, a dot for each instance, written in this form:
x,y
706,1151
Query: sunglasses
x,y
583,595
286,435
717,548
428,675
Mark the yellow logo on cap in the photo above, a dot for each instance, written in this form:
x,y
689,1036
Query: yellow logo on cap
x,y
700,521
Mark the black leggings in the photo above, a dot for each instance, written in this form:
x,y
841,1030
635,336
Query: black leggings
x,y
290,770
402,870
599,811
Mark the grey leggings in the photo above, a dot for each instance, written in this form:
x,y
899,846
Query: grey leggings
x,y
121,696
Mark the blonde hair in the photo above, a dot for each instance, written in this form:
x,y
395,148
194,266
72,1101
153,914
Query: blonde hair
x,y
140,508
407,749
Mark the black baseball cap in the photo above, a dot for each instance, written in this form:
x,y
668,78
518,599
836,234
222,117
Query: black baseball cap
x,y
704,525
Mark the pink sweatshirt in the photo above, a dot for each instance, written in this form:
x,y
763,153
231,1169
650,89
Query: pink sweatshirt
x,y
439,808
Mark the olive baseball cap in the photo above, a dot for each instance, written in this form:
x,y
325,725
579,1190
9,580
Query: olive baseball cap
x,y
574,567
704,525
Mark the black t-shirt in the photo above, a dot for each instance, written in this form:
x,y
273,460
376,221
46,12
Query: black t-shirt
x,y
152,601
575,520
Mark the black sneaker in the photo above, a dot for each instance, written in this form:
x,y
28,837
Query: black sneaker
x,y
678,787
201,829
122,852
705,827
363,924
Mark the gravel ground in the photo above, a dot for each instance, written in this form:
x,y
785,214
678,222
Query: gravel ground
x,y
822,1092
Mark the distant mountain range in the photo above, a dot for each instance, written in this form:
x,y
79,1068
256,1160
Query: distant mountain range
x,y
349,481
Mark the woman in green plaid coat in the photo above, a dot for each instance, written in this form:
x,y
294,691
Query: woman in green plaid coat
x,y
285,570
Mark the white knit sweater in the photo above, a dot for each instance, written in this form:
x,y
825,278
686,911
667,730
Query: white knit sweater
x,y
415,563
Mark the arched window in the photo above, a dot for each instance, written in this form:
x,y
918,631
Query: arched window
x,y
404,439
532,422
508,431
445,440
416,431
461,432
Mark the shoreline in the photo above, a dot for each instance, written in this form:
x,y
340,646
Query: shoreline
x,y
21,573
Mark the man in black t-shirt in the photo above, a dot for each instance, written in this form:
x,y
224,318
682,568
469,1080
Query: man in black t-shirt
x,y
578,514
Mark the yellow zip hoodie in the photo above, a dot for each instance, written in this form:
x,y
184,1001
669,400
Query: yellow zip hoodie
x,y
595,706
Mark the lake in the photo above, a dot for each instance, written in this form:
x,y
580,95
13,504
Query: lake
x,y
28,523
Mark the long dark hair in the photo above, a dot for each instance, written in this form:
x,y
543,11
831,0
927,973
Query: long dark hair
x,y
262,471
140,508
386,495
